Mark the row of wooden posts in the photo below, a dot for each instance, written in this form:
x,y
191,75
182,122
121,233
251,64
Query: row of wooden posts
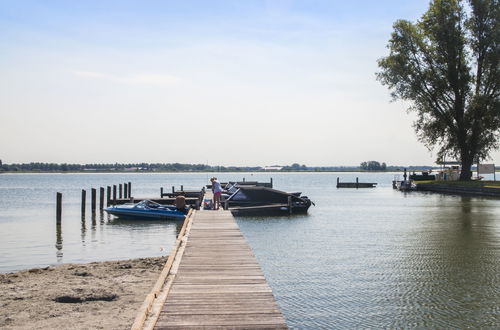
x,y
117,191
173,190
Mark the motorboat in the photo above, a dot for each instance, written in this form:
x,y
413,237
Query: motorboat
x,y
406,185
147,209
253,197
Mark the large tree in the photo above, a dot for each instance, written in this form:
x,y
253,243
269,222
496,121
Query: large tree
x,y
447,66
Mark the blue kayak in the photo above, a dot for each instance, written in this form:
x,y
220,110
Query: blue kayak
x,y
146,209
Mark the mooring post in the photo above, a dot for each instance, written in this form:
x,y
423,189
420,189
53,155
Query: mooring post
x,y
125,190
101,198
114,194
120,191
58,208
173,189
243,179
338,181
84,197
357,182
161,192
226,205
289,204
129,189
182,187
197,204
108,197
93,194
271,182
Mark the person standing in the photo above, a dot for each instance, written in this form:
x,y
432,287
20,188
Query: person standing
x,y
217,190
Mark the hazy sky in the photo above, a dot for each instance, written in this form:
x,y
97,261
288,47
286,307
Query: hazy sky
x,y
218,82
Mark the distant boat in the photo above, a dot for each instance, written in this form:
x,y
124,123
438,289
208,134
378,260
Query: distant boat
x,y
425,176
406,185
146,209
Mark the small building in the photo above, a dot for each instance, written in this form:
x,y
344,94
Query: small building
x,y
450,170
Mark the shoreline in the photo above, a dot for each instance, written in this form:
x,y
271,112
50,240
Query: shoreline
x,y
97,295
488,189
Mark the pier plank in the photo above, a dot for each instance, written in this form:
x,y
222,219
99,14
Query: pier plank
x,y
219,283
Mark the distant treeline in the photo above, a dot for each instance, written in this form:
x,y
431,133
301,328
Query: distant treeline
x,y
177,167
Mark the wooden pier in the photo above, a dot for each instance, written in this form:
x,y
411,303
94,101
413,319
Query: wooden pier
x,y
213,281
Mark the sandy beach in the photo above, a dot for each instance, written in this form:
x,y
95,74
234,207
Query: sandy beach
x,y
99,295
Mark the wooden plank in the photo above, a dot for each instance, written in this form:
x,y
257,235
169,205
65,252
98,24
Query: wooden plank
x,y
219,320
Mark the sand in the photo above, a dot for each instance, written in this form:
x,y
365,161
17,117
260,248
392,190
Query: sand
x,y
99,295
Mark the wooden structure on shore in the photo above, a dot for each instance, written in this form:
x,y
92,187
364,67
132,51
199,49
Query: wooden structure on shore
x,y
356,184
211,280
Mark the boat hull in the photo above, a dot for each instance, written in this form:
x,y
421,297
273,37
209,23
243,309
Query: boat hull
x,y
147,210
174,215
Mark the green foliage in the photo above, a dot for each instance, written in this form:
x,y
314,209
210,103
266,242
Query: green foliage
x,y
373,166
447,65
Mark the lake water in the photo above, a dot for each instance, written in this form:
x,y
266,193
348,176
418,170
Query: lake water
x,y
366,258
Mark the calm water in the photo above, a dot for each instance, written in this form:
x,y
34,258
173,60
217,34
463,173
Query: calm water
x,y
366,258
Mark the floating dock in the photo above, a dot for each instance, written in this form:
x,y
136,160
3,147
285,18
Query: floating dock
x,y
356,184
212,280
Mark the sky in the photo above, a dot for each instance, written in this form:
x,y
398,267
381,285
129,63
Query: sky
x,y
246,83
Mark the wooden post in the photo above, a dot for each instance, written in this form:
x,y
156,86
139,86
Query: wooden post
x,y
114,194
120,190
101,198
58,208
182,187
243,179
93,194
161,192
173,189
271,182
108,197
289,204
197,204
84,197
125,191
357,182
129,189
338,181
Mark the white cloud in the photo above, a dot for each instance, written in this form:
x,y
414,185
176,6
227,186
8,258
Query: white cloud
x,y
140,78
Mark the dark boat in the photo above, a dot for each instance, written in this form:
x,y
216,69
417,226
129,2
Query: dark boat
x,y
425,176
256,199
146,209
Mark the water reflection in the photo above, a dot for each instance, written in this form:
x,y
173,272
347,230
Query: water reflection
x,y
134,223
443,276
94,221
102,217
59,243
83,230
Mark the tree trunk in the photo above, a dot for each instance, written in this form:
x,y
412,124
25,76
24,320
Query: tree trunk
x,y
466,173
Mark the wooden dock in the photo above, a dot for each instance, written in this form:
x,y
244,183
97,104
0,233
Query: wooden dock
x,y
214,282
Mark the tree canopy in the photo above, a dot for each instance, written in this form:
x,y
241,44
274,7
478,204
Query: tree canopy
x,y
447,65
373,165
